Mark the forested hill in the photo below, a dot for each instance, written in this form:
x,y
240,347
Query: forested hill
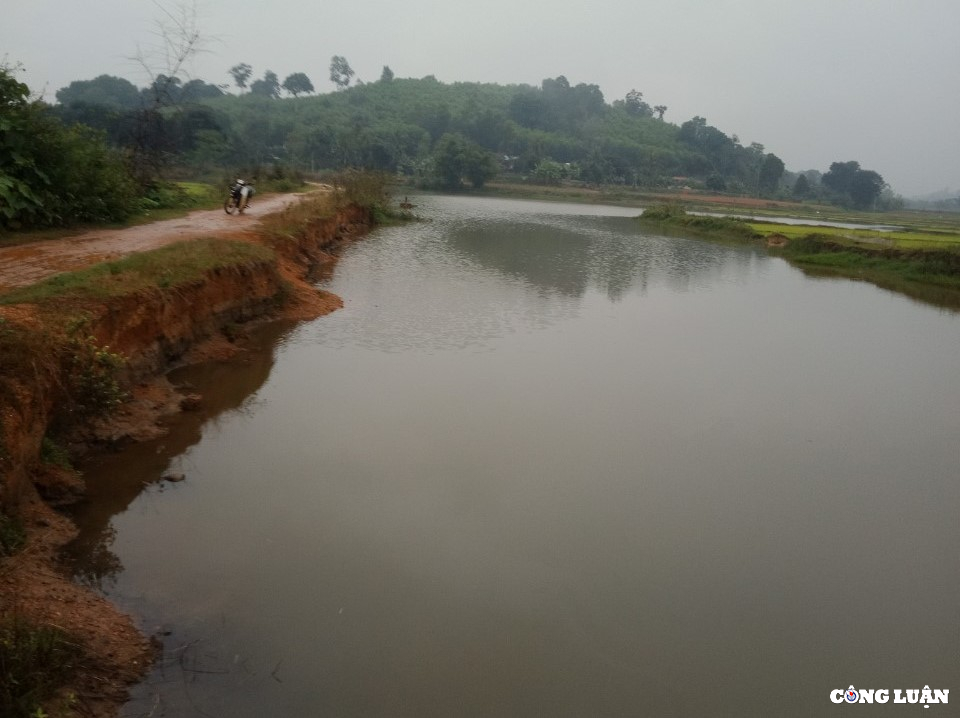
x,y
399,124
552,132
444,135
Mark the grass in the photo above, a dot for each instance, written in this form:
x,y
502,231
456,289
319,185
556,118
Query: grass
x,y
914,270
933,265
674,216
298,219
34,662
921,262
907,238
169,266
367,190
921,226
627,196
88,374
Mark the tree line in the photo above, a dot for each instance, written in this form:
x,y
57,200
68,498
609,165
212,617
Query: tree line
x,y
436,134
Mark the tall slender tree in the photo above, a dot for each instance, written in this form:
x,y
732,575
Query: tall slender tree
x,y
241,73
340,72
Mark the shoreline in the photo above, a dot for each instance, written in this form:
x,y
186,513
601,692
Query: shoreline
x,y
927,273
156,329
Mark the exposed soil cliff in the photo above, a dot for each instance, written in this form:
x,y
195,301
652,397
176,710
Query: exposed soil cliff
x,y
153,329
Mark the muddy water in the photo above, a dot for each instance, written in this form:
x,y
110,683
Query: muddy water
x,y
545,464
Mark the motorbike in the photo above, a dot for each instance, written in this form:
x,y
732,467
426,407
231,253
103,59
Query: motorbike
x,y
238,199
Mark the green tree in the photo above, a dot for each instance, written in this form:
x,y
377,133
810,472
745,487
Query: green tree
x,y
840,176
801,188
387,74
596,168
296,83
340,72
456,157
241,73
635,104
23,184
105,90
865,188
771,170
164,91
660,110
548,172
53,175
716,182
529,108
269,86
853,185
197,90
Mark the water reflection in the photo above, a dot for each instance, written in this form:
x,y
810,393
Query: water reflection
x,y
944,297
661,478
115,480
455,283
610,254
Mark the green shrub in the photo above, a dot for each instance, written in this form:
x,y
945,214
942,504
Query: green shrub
x,y
53,175
34,662
92,375
724,227
167,195
663,212
363,188
54,454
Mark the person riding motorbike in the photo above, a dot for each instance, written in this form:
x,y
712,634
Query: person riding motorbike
x,y
240,189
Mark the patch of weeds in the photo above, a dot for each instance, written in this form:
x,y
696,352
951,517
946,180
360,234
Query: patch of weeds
x,y
169,266
52,453
363,188
301,220
673,215
664,212
34,662
12,535
386,215
92,378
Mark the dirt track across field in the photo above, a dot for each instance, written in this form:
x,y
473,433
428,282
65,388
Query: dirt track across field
x,y
29,263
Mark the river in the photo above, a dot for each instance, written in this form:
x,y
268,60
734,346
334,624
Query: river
x,y
547,463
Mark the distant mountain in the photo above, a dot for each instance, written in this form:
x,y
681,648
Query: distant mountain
x,y
938,196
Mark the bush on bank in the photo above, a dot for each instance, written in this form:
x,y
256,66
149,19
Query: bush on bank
x,y
673,215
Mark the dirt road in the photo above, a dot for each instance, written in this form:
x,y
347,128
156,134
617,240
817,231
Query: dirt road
x,y
29,263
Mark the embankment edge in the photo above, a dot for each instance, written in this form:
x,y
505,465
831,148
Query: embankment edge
x,y
154,330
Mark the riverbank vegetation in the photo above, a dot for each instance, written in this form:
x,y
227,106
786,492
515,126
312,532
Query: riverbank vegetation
x,y
923,262
673,216
167,267
34,662
929,276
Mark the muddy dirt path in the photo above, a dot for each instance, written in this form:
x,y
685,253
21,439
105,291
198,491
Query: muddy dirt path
x,y
29,263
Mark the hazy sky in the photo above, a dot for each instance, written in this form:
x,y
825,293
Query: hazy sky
x,y
814,81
